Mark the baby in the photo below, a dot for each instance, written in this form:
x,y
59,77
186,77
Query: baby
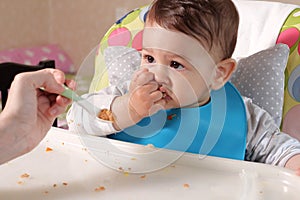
x,y
180,97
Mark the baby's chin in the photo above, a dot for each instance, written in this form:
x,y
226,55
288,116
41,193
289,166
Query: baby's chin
x,y
172,102
169,101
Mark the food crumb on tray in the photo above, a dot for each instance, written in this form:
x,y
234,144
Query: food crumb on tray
x,y
100,188
143,176
20,182
25,175
49,149
186,185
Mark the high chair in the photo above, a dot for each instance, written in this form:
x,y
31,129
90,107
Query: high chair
x,y
125,36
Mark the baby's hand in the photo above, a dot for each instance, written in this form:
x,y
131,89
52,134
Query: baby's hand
x,y
142,100
141,77
144,94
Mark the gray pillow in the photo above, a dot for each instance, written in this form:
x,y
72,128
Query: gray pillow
x,y
261,78
121,63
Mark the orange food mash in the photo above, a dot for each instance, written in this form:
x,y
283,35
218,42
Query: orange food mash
x,y
106,114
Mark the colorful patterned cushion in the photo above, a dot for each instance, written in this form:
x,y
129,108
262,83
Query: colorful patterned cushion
x,y
290,35
125,32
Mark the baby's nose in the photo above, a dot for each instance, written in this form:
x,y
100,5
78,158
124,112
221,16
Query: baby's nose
x,y
161,73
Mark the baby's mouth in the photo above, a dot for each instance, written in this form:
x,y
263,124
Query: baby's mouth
x,y
164,93
166,97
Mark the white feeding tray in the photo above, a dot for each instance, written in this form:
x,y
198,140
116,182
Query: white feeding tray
x,y
62,168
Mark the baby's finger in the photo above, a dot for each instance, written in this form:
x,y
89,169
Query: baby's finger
x,y
150,87
140,71
155,108
137,74
156,95
161,102
144,78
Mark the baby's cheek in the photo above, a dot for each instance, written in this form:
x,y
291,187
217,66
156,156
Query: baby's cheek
x,y
185,97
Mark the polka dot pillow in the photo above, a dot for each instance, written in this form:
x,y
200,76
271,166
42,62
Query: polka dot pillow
x,y
261,78
121,63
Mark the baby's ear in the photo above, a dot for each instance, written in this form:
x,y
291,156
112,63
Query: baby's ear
x,y
224,70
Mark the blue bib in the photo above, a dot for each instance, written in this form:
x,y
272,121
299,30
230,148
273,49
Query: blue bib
x,y
218,128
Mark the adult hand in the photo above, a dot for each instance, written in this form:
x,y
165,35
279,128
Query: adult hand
x,y
30,112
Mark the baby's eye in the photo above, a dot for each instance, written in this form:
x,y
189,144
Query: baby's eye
x,y
176,65
149,59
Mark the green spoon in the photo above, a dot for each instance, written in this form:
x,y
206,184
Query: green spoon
x,y
85,104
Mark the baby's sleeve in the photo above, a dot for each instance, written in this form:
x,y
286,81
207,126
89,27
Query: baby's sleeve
x,y
265,142
80,121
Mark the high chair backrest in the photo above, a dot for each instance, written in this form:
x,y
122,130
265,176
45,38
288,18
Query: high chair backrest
x,y
290,35
126,32
125,36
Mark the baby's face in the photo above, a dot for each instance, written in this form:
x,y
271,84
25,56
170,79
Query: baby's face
x,y
182,84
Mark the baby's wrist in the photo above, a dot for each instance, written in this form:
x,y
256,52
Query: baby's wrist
x,y
124,116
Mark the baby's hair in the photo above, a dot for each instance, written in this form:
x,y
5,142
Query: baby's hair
x,y
214,23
